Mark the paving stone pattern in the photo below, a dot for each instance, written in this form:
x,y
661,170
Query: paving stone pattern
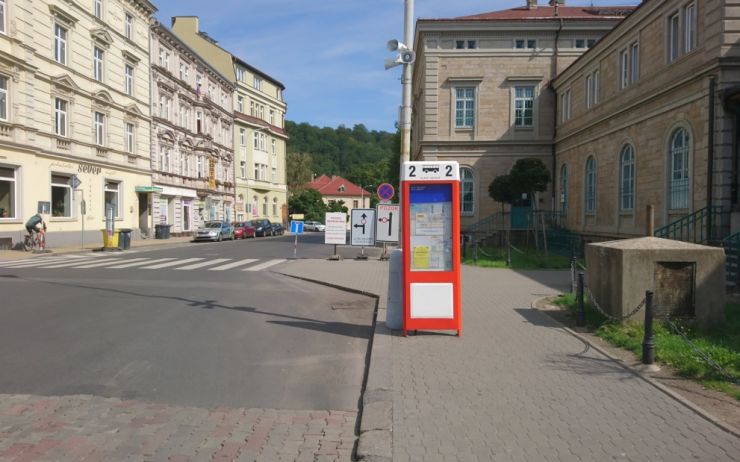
x,y
87,428
517,387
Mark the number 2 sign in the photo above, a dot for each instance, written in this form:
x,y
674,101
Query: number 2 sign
x,y
444,171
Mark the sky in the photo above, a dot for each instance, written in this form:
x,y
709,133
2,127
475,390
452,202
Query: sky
x,y
328,53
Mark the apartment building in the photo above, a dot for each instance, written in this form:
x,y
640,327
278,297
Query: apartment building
x,y
74,103
192,136
259,127
658,127
482,95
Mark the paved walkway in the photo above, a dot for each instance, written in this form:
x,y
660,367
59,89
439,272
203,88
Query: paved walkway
x,y
518,387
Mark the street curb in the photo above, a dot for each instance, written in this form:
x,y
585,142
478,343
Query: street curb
x,y
68,250
701,412
375,440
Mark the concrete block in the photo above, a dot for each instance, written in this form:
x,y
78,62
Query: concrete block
x,y
375,446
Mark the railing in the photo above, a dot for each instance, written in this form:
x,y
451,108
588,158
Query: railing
x,y
561,241
499,221
731,244
699,227
551,219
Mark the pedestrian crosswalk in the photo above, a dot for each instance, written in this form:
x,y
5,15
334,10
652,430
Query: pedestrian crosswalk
x,y
116,261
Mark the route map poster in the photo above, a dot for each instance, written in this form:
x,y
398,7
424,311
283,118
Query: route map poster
x,y
430,215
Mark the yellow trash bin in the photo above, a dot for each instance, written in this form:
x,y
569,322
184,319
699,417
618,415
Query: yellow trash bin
x,y
110,242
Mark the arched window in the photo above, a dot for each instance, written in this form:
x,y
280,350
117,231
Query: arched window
x,y
564,188
627,178
467,188
678,187
264,207
590,191
274,207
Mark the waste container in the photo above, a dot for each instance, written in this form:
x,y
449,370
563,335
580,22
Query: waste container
x,y
162,231
110,242
124,238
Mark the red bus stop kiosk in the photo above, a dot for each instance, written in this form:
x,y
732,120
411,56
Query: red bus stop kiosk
x,y
431,246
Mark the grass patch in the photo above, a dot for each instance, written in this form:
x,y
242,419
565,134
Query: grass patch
x,y
721,344
495,257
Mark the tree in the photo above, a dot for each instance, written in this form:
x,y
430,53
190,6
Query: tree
x,y
527,176
501,190
309,203
299,170
337,207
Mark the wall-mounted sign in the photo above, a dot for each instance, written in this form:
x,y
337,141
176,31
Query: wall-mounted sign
x,y
89,168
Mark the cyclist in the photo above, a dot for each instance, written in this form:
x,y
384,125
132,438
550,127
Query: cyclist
x,y
36,224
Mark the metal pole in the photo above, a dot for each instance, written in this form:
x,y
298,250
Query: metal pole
x,y
408,33
581,318
295,246
573,267
648,344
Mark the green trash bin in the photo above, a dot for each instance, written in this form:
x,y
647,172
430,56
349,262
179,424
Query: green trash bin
x,y
124,238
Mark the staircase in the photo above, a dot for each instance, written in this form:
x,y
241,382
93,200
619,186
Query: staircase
x,y
731,244
700,227
488,226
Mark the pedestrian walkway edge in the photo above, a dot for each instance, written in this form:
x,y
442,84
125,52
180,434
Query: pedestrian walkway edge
x,y
701,412
376,415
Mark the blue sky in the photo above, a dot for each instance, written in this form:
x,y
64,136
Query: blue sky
x,y
328,53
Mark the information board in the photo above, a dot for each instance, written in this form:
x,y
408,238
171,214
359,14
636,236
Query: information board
x,y
430,233
336,228
362,227
389,217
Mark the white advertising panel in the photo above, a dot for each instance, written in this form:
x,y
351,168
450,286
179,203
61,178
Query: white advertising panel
x,y
362,227
336,228
389,217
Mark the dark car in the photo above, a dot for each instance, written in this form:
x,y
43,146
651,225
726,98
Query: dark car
x,y
278,229
214,231
262,227
243,229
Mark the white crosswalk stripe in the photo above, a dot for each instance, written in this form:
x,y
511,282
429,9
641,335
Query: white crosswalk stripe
x,y
99,264
172,263
146,261
64,265
203,264
39,261
236,264
264,265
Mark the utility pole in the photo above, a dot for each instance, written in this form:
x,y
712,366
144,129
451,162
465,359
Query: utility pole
x,y
408,34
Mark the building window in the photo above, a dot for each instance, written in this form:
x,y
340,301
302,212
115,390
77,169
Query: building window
x,y
128,78
129,137
98,64
264,207
7,192
463,44
60,117
99,125
565,106
525,44
689,20
61,196
242,137
592,89
627,178
60,44
624,73
239,74
674,37
111,198
679,181
243,169
98,9
274,207
272,117
3,98
564,188
240,103
257,83
2,16
274,147
634,63
128,26
464,107
274,174
467,189
590,191
164,58
524,106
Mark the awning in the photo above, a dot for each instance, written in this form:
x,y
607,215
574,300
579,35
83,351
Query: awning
x,y
148,189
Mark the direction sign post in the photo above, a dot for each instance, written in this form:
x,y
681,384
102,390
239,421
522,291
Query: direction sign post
x,y
296,228
75,182
362,230
387,229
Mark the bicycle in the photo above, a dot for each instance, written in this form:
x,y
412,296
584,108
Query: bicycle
x,y
35,241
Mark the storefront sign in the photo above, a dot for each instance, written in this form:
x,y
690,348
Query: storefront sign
x,y
89,168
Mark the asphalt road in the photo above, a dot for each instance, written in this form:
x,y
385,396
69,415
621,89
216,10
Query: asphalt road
x,y
186,333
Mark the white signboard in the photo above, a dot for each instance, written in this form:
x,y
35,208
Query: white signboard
x,y
432,170
362,227
336,228
389,217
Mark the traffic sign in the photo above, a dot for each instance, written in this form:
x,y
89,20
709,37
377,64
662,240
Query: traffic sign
x,y
385,191
389,217
362,229
336,228
296,227
74,182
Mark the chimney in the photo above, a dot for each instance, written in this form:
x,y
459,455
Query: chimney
x,y
531,4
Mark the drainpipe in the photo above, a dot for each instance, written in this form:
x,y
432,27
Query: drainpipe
x,y
710,154
554,74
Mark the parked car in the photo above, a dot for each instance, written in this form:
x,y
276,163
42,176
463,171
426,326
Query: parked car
x,y
313,226
214,231
278,229
262,227
243,229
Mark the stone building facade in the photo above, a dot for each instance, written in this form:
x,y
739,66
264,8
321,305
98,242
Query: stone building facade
x,y
259,127
660,129
192,136
481,90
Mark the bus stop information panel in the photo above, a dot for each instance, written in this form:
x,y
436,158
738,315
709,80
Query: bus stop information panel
x,y
431,257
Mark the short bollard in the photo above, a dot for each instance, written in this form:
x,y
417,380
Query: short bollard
x,y
648,345
475,251
581,318
573,267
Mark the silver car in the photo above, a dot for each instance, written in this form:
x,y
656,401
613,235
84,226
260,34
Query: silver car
x,y
313,226
214,231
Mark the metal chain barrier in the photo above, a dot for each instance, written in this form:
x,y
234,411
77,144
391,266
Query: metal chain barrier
x,y
595,304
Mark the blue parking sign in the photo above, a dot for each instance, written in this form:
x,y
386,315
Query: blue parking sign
x,y
296,227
